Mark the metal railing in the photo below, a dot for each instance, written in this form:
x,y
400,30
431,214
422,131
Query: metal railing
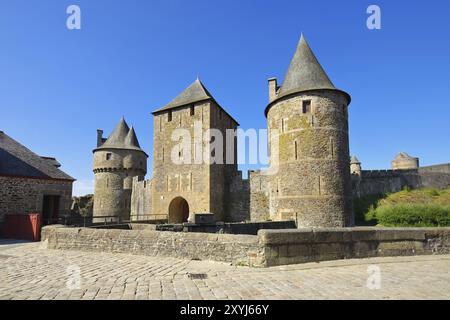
x,y
90,221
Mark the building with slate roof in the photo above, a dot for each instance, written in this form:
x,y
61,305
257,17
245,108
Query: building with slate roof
x,y
404,161
184,181
30,183
117,160
308,118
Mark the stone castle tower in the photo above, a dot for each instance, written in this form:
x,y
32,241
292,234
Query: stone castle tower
x,y
191,178
355,166
117,160
404,161
308,128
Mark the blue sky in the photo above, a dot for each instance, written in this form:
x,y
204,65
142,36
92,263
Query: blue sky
x,y
57,86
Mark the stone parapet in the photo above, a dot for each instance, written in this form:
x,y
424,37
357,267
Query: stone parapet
x,y
268,248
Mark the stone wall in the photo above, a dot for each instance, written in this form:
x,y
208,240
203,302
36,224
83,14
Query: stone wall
x,y
114,170
259,196
141,200
313,184
237,249
237,199
26,195
283,247
437,176
389,181
174,180
268,248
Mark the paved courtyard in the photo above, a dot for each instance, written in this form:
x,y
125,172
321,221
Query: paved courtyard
x,y
30,271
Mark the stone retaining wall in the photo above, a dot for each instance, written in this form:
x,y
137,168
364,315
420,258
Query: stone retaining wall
x,y
269,248
281,247
236,249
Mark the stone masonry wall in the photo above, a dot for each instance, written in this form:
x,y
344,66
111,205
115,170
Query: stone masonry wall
x,y
389,181
141,200
283,247
268,248
114,170
237,249
259,196
437,176
25,195
237,199
172,180
313,184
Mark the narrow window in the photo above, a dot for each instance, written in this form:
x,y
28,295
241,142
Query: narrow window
x,y
295,150
192,111
162,155
306,106
108,156
160,124
282,125
169,116
319,185
332,147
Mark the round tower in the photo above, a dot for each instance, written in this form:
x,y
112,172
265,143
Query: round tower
x,y
309,146
116,161
355,166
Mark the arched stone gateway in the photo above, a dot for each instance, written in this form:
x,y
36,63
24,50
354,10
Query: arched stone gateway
x,y
178,210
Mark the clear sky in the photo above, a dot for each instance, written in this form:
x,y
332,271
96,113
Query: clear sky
x,y
57,86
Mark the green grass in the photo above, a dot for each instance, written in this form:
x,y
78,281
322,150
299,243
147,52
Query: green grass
x,y
407,208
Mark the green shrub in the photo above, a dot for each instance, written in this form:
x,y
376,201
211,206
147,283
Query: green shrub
x,y
410,215
363,205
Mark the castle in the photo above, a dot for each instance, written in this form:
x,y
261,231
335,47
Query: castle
x,y
308,131
309,179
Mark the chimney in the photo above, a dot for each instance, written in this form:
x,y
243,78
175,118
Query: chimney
x,y
99,137
273,87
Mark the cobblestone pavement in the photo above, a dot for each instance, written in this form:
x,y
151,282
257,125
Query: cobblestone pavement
x,y
29,271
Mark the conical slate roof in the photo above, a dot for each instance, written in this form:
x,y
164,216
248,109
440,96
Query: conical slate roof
x,y
304,72
354,159
117,138
122,137
196,92
131,139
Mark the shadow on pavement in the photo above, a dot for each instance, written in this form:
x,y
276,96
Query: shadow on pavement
x,y
5,242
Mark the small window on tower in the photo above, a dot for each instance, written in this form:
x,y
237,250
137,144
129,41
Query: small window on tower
x,y
108,156
192,111
306,106
169,116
